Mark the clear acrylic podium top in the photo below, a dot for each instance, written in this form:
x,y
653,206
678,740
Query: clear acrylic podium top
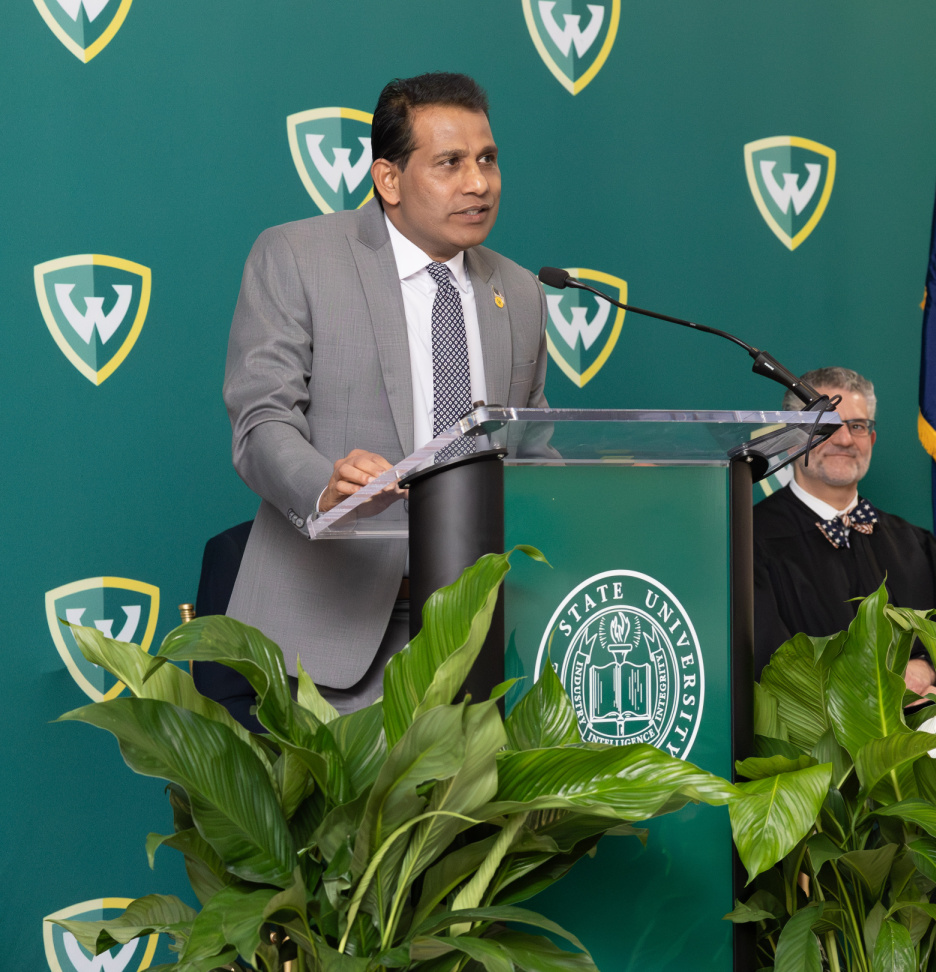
x,y
562,436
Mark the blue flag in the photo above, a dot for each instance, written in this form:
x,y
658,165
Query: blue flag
x,y
926,424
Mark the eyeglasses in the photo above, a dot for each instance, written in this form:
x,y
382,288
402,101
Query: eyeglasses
x,y
859,427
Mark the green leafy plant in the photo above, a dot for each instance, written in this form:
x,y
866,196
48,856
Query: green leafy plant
x,y
854,892
401,836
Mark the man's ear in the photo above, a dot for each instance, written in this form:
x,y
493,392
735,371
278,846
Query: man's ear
x,y
386,176
873,437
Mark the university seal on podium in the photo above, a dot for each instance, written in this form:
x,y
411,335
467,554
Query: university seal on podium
x,y
628,655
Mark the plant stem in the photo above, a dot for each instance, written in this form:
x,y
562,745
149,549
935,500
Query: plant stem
x,y
857,943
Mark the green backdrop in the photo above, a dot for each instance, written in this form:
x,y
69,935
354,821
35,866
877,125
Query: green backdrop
x,y
168,149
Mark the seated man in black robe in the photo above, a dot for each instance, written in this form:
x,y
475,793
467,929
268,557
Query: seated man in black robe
x,y
817,543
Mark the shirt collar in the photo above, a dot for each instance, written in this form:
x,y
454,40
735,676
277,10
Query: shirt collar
x,y
824,510
410,260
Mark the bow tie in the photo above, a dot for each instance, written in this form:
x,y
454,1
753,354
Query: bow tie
x,y
862,518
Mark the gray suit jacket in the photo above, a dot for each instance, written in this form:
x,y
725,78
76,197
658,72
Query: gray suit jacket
x,y
318,365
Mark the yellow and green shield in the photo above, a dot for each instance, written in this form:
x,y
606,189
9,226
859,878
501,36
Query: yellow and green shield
x,y
791,179
573,37
120,608
582,329
65,954
94,307
85,27
331,149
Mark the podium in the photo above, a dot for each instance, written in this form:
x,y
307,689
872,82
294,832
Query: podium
x,y
645,613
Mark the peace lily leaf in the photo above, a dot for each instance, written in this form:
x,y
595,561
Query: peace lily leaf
x,y
232,918
923,852
919,812
232,799
794,679
759,768
362,744
446,875
153,914
544,716
798,947
626,782
828,750
893,950
872,927
775,814
206,871
485,951
472,786
147,679
455,619
864,696
766,746
744,913
535,953
872,867
767,714
521,916
246,650
822,849
919,623
883,758
310,698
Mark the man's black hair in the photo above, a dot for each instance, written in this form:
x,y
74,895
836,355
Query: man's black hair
x,y
392,128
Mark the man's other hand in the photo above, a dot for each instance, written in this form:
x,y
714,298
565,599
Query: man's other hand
x,y
357,469
919,677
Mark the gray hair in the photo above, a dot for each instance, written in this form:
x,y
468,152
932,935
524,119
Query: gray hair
x,y
843,378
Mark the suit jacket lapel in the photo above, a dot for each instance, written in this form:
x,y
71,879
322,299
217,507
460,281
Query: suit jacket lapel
x,y
494,325
377,269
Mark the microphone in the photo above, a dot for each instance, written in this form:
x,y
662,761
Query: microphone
x,y
764,363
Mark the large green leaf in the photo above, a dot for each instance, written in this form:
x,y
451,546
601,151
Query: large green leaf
x,y
865,697
232,918
506,951
871,867
455,622
447,874
473,785
362,744
893,950
798,947
521,916
147,678
623,782
205,869
923,852
775,813
153,914
248,651
232,800
544,716
883,759
919,812
797,682
760,768
767,714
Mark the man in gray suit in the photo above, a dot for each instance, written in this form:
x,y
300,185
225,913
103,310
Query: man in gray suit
x,y
335,372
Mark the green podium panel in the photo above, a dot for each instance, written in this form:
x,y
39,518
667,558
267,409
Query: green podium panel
x,y
635,616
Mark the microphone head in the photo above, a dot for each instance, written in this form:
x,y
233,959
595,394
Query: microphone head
x,y
554,277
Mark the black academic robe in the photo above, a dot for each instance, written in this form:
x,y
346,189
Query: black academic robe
x,y
803,583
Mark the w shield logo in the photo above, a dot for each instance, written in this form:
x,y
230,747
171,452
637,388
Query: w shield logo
x,y
64,954
582,329
85,27
791,179
331,148
573,37
94,306
122,609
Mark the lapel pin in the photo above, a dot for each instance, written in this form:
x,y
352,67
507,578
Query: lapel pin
x,y
498,297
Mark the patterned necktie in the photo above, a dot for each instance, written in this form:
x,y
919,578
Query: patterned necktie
x,y
451,377
862,518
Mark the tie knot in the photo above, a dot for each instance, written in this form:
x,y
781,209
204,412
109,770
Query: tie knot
x,y
439,273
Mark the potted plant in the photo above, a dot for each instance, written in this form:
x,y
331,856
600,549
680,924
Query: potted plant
x,y
400,836
853,893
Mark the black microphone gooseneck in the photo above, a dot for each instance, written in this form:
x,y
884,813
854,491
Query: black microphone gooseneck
x,y
764,363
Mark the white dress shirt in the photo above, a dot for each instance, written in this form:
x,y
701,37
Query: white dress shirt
x,y
823,510
419,290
